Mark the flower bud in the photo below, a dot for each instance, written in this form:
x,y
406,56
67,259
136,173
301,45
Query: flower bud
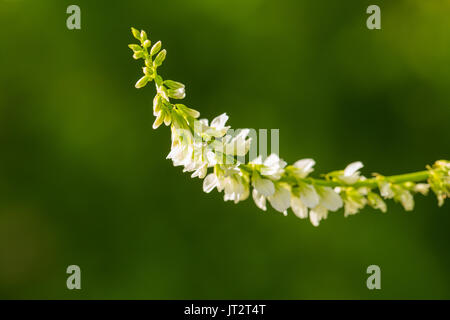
x,y
157,102
135,47
160,58
186,110
138,55
167,119
147,43
147,71
173,84
159,119
142,82
136,33
143,35
155,49
176,93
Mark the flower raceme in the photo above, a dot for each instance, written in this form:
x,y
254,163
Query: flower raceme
x,y
200,146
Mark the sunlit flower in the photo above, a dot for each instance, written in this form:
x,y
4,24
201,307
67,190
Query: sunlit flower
x,y
317,214
281,199
302,168
422,188
328,198
298,207
351,173
264,187
273,167
259,199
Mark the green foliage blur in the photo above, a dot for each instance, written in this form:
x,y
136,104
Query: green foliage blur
x,y
84,179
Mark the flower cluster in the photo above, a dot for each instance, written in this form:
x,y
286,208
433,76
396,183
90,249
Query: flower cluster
x,y
199,146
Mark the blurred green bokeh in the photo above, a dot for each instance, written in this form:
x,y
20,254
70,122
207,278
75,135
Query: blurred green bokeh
x,y
84,179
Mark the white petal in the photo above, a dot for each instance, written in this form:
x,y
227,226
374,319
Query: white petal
x,y
264,186
200,172
317,214
329,199
423,188
407,200
304,166
281,199
210,182
308,195
257,160
386,190
314,218
272,160
242,134
259,199
219,122
352,168
300,210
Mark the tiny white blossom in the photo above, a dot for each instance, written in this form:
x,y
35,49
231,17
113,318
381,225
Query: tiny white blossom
x,y
259,199
329,199
298,207
236,189
281,199
353,204
237,145
423,188
308,195
351,173
201,171
273,167
304,167
376,202
317,214
406,199
386,190
263,186
217,128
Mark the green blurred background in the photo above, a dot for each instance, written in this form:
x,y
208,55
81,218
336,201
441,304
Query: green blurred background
x,y
84,179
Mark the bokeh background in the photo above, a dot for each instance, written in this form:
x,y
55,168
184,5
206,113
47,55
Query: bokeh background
x,y
84,179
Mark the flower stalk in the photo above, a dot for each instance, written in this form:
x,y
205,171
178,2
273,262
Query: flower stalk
x,y
201,147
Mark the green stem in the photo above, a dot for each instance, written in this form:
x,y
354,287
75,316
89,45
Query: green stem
x,y
372,182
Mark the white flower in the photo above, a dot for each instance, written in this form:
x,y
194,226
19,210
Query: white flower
x,y
353,202
264,187
181,155
308,194
259,199
237,145
406,199
386,190
217,128
351,173
230,180
201,171
304,167
236,189
329,199
211,181
376,202
299,209
273,167
281,199
423,188
317,214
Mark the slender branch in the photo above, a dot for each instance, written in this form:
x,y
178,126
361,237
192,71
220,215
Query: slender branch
x,y
207,145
